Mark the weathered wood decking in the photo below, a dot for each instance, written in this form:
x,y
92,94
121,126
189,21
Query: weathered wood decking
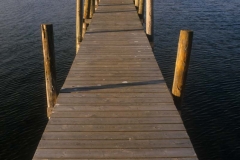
x,y
114,103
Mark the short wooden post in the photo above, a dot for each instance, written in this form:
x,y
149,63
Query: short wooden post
x,y
79,23
92,8
49,66
136,3
140,9
149,20
181,68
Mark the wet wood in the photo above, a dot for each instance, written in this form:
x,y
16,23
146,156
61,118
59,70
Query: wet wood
x,y
115,103
49,66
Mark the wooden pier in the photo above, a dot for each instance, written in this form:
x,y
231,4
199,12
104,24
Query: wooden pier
x,y
115,103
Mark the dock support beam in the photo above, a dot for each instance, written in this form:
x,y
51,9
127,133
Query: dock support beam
x,y
86,15
49,66
79,23
181,68
140,9
97,3
86,9
92,8
149,20
136,3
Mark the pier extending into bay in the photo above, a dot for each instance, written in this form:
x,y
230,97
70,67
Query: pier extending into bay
x,y
115,103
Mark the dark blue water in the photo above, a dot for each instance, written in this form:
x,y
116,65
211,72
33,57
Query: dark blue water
x,y
212,97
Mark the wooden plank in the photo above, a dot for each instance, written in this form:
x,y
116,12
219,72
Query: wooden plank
x,y
114,153
157,84
159,135
115,108
118,66
116,72
116,95
111,78
113,100
114,114
114,59
100,89
114,128
117,69
113,63
117,121
115,144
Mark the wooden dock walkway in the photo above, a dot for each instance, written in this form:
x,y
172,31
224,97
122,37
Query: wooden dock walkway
x,y
114,103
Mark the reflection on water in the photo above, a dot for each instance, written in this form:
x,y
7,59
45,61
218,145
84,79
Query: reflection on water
x,y
211,104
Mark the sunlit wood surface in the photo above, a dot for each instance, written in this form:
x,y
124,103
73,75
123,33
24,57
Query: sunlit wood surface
x,y
115,103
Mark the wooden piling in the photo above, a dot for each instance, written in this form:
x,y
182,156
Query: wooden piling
x,y
86,15
92,8
79,23
49,66
149,20
140,9
97,3
136,3
181,68
86,9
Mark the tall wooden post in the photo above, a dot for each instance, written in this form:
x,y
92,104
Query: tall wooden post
x,y
149,20
97,3
181,68
136,3
92,8
86,9
86,15
79,23
140,9
49,66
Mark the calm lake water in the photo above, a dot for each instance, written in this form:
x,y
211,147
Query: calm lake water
x,y
212,97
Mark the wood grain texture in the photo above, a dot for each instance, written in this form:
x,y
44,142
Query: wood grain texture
x,y
115,103
79,23
163,135
49,66
149,19
182,63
